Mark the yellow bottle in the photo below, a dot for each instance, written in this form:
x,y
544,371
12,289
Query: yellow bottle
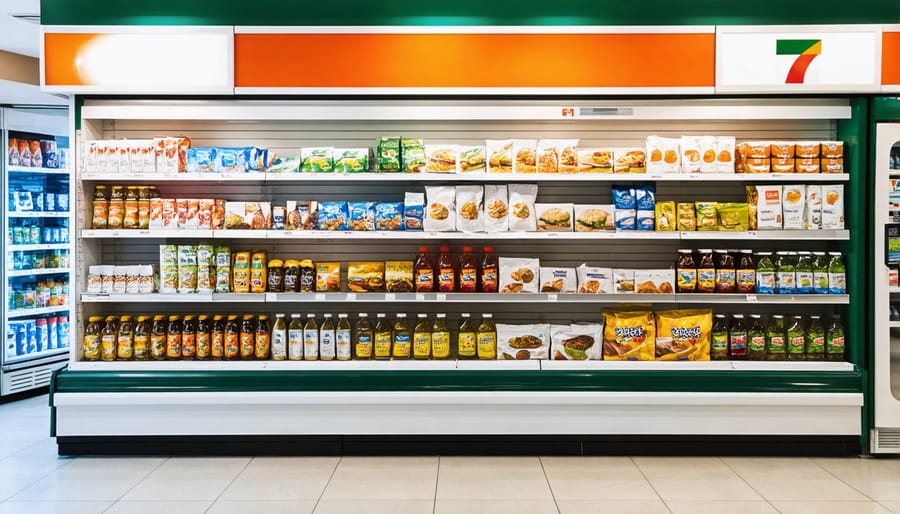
x,y
142,339
125,339
440,338
383,337
90,345
108,339
487,338
467,341
363,338
422,338
402,343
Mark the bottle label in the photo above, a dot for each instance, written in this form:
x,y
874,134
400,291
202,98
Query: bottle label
x,y
232,345
422,344
295,345
326,345
487,345
157,345
440,344
757,343
173,346
383,344
725,280
279,345
797,344
364,346
837,342
262,346
424,280
202,344
775,344
719,342
401,345
706,279
446,282
786,281
818,343
91,347
746,280
467,344
468,280
820,282
342,342
489,280
124,346
765,282
687,280
738,342
248,344
310,344
188,345
837,283
804,282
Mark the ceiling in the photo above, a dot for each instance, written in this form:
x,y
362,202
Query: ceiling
x,y
22,37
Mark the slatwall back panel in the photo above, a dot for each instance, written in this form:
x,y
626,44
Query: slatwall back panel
x,y
287,137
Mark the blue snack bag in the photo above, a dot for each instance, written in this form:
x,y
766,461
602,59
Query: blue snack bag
x,y
201,160
389,216
645,197
362,215
414,211
333,216
646,220
623,197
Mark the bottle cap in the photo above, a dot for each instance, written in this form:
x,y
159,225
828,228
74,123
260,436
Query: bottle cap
x,y
685,250
464,315
342,316
423,249
310,316
467,249
295,316
363,315
755,316
282,315
488,248
326,316
738,316
445,248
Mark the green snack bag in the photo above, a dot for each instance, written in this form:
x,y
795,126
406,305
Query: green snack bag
x,y
413,156
387,158
351,160
317,160
734,217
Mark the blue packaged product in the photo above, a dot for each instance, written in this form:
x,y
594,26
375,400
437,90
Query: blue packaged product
x,y
259,159
646,220
53,332
626,219
645,198
285,165
62,329
389,216
31,341
362,215
201,160
43,338
623,197
11,339
21,338
414,211
333,216
232,160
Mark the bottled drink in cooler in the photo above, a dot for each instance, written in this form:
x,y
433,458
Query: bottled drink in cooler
x,y
815,339
422,338
141,339
217,337
466,347
487,338
158,338
745,277
402,342
261,341
775,339
820,273
834,341
440,337
188,338
204,338
424,270
686,272
311,338
247,338
232,338
706,272
342,338
805,274
384,334
796,339
363,338
725,272
719,345
295,338
446,272
468,271
90,344
766,281
737,338
125,339
837,274
489,271
326,339
785,273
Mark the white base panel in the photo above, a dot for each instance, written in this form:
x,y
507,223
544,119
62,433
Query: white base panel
x,y
484,413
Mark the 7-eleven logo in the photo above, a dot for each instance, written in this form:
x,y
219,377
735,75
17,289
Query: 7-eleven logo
x,y
805,49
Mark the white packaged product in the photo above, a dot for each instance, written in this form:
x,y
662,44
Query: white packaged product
x,y
593,280
94,279
499,154
663,155
471,159
554,217
833,207
440,211
521,207
470,208
578,341
558,280
146,279
496,208
133,279
793,206
706,145
519,275
594,218
524,155
120,281
725,154
768,207
441,158
523,342
107,279
547,156
654,281
624,280
812,220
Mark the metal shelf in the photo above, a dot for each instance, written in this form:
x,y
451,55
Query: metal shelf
x,y
26,169
894,324
29,248
36,355
36,272
769,235
173,298
27,313
181,177
38,214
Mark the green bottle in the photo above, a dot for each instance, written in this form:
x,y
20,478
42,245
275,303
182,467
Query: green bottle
x,y
765,273
815,339
834,341
756,339
796,339
718,351
820,273
804,274
837,274
775,347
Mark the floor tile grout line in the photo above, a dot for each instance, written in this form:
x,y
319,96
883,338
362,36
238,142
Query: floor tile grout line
x,y
437,478
330,478
761,495
139,482
549,486
251,459
650,483
842,480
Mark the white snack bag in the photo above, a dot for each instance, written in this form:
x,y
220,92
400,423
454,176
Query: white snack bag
x,y
594,218
471,159
593,280
441,158
812,220
658,281
624,281
470,208
496,208
558,280
833,207
578,341
568,155
524,155
523,342
725,154
519,275
793,206
690,154
768,207
663,155
706,145
521,207
548,156
554,217
440,211
499,154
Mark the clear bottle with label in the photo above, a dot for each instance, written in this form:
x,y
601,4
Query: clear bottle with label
x,y
363,338
805,275
815,339
109,339
446,272
489,276
686,272
837,274
718,350
468,271
422,338
232,338
796,339
188,338
248,338
756,339
311,338
125,339
402,338
737,338
384,335
820,273
766,282
204,342
279,339
467,340
342,336
142,339
158,338
90,345
440,338
263,345
834,340
706,272
295,338
217,337
326,339
725,272
785,273
745,279
424,270
776,346
487,338
173,338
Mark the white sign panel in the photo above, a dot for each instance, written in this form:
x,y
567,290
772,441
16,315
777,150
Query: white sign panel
x,y
801,59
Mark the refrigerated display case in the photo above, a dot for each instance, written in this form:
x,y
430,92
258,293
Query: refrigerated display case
x,y
36,247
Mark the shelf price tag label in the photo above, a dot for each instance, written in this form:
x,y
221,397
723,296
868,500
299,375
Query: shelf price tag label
x,y
552,297
390,297
420,297
751,298
351,297
271,297
441,297
320,297
753,234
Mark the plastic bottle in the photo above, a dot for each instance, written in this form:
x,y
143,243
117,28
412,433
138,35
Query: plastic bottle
x,y
834,341
125,339
173,339
422,338
785,273
756,339
402,342
440,338
467,340
188,338
488,279
108,336
262,343
487,338
820,273
363,338
745,279
424,270
468,271
775,339
796,339
327,351
837,274
343,348
815,339
295,338
204,343
737,338
311,338
706,272
383,337
90,345
158,338
765,273
686,272
279,339
232,338
805,277
248,337
446,273
141,339
725,272
217,338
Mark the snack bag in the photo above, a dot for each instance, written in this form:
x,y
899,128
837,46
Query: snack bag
x,y
389,216
597,160
665,216
499,154
470,208
414,211
441,158
687,217
626,219
833,206
734,217
496,208
690,154
568,155
812,219
523,342
706,216
387,155
554,217
623,197
628,335
683,334
578,341
201,160
333,216
558,280
519,275
317,160
351,160
706,145
362,215
471,159
594,218
412,152
521,213
663,155
524,155
328,277
231,160
769,207
794,206
440,211
630,160
548,156
725,154
623,280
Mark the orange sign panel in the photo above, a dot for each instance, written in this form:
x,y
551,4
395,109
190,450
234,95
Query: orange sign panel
x,y
467,60
890,58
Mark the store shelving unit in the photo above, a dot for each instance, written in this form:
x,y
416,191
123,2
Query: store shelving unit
x,y
25,366
151,399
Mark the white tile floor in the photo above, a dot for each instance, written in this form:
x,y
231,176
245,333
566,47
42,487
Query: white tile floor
x,y
34,480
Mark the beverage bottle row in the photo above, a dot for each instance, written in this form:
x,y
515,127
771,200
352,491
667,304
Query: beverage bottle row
x,y
778,340
226,337
465,275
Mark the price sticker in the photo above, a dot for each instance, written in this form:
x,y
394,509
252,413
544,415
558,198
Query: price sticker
x,y
441,297
351,297
751,298
753,234
271,297
390,297
552,234
552,297
320,297
420,297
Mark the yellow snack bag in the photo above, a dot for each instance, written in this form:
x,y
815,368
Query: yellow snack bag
x,y
687,218
683,335
628,335
752,198
665,216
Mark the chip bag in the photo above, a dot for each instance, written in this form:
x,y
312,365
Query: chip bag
x,y
683,335
628,335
